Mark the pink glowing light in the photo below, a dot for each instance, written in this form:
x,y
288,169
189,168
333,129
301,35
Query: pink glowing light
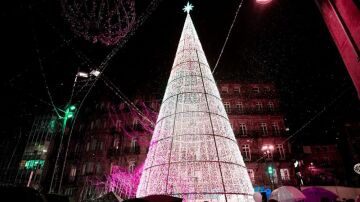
x,y
124,182
267,147
105,21
263,1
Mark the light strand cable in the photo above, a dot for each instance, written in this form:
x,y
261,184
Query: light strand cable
x,y
228,35
126,100
43,74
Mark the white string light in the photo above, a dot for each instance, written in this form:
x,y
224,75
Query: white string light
x,y
193,152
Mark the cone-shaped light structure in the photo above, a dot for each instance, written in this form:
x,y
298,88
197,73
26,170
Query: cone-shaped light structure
x,y
193,152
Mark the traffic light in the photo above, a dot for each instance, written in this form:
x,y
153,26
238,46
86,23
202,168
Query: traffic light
x,y
69,113
270,170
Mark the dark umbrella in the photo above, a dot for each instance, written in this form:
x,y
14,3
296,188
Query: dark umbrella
x,y
156,198
317,194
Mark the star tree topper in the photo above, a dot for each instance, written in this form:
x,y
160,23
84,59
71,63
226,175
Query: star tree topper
x,y
188,7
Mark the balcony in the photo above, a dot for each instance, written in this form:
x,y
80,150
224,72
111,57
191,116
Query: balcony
x,y
113,152
259,133
249,95
247,111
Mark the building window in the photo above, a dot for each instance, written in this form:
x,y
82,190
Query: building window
x,y
100,146
263,128
98,168
271,106
246,152
275,176
231,125
97,123
87,146
224,89
118,125
243,129
90,167
76,148
93,145
131,166
116,143
136,124
275,128
240,107
251,175
284,173
281,151
83,169
81,127
69,191
72,174
134,147
259,106
256,90
237,90
227,106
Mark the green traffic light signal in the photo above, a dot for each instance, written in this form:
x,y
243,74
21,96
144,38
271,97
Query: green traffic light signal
x,y
69,111
270,170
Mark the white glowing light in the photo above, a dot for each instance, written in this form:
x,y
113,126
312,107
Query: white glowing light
x,y
193,153
188,7
95,72
83,74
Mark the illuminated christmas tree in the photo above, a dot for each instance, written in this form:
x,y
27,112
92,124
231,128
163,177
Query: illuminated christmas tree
x,y
193,152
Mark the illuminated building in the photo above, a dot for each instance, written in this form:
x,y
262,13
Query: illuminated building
x,y
35,164
255,115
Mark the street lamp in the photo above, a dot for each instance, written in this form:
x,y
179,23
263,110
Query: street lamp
x,y
268,151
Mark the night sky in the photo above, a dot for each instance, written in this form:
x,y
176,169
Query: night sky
x,y
285,42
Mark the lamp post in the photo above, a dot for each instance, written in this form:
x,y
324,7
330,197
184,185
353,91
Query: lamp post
x,y
68,114
268,149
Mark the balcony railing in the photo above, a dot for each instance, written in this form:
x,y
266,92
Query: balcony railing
x,y
113,152
249,94
259,157
251,111
259,133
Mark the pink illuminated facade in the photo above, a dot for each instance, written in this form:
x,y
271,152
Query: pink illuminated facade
x,y
343,21
193,152
108,149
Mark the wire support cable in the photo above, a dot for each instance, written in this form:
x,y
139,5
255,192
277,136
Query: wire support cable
x,y
228,35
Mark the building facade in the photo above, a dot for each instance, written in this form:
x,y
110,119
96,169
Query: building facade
x,y
258,124
110,144
35,164
108,149
321,164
